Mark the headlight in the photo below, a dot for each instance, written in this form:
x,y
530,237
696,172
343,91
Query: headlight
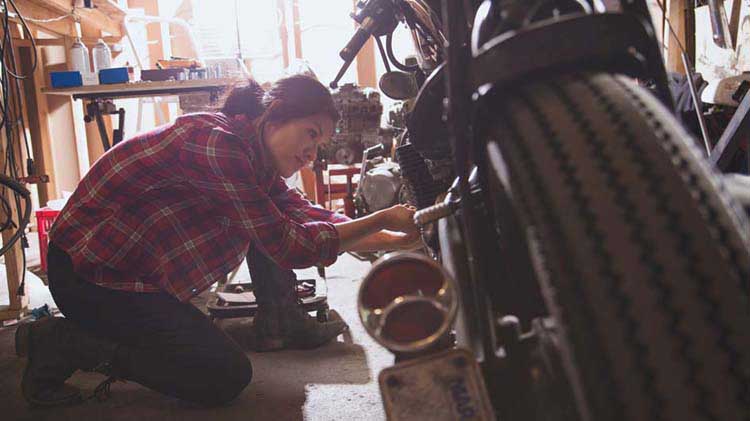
x,y
407,302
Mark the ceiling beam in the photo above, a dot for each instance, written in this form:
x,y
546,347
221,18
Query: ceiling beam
x,y
106,16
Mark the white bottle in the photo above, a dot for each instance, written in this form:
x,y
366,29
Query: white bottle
x,y
102,56
79,58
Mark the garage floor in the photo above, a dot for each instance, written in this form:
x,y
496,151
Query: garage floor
x,y
335,382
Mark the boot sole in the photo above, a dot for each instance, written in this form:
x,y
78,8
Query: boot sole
x,y
312,343
269,345
68,395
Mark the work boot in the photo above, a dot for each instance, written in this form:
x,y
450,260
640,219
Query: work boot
x,y
290,327
267,329
280,322
56,348
302,331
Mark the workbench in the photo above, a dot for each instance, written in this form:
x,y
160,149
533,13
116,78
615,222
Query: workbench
x,y
99,98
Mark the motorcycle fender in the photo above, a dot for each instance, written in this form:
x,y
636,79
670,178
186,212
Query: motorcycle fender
x,y
611,42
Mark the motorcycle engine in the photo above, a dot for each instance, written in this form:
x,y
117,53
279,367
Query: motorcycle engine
x,y
381,187
424,179
359,126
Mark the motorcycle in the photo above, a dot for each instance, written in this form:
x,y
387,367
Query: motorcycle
x,y
585,263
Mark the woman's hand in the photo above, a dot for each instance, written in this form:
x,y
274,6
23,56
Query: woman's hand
x,y
391,228
406,242
399,218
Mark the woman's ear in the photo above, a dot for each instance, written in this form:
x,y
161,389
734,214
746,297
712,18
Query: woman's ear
x,y
269,129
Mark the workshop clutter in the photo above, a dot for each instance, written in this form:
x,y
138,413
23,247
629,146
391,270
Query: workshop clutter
x,y
176,69
81,72
45,217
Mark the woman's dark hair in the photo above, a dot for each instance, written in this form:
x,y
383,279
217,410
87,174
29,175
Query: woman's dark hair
x,y
245,99
290,98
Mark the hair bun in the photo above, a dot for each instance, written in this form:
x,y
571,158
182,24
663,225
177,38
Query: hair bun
x,y
246,99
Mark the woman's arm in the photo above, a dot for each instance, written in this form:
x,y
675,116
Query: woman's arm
x,y
367,233
388,240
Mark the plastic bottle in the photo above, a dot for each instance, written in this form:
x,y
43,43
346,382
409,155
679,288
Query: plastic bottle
x,y
102,56
79,56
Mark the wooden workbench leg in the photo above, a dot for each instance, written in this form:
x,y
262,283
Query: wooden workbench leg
x,y
14,267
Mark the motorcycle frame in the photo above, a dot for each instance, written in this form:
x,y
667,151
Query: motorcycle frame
x,y
616,42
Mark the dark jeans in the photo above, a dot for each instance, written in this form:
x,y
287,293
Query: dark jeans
x,y
165,345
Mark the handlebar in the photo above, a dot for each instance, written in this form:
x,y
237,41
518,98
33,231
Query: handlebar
x,y
350,51
355,44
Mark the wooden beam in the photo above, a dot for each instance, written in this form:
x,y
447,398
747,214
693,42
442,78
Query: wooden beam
x,y
676,13
366,74
44,42
297,29
283,32
63,6
102,8
106,16
37,10
38,124
6,313
97,20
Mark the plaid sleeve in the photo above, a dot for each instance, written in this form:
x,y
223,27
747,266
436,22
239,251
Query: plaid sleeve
x,y
216,164
292,203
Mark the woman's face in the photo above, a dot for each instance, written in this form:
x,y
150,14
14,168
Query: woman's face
x,y
294,144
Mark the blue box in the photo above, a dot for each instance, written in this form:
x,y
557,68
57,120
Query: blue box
x,y
66,79
114,75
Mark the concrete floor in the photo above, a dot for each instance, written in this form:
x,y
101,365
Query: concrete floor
x,y
335,382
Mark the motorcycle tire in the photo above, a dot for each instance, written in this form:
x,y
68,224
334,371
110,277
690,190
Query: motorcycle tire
x,y
640,253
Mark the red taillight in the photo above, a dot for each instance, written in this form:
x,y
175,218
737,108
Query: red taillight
x,y
407,301
404,277
412,321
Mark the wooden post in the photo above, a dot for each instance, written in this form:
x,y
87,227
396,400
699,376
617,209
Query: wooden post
x,y
366,64
14,256
283,32
38,122
676,13
297,29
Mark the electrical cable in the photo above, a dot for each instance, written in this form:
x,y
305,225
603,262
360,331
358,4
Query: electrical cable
x,y
27,31
14,126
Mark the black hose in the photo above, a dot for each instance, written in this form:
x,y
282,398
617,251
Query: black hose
x,y
392,57
382,54
20,190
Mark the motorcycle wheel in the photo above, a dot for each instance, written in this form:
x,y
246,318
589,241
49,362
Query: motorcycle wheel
x,y
641,255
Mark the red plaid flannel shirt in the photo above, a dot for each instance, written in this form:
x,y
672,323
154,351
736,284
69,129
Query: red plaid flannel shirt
x,y
175,209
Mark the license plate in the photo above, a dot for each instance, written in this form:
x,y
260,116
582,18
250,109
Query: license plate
x,y
444,386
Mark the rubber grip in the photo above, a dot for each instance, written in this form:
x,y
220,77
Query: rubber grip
x,y
355,44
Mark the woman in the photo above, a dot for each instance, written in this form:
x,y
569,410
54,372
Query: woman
x,y
161,217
